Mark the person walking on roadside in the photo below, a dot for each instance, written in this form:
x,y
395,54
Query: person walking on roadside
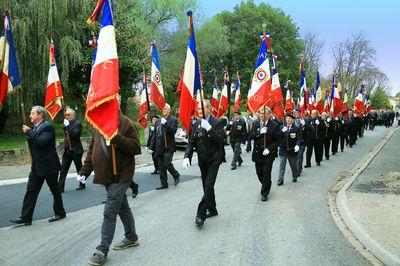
x,y
206,137
238,134
73,149
163,146
45,167
152,130
99,160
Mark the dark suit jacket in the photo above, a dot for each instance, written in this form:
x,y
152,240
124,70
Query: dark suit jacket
x,y
164,139
209,145
272,141
42,145
289,140
74,130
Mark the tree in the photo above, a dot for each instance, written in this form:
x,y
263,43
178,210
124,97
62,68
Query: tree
x,y
312,54
380,99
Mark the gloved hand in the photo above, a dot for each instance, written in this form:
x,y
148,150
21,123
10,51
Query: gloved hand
x,y
329,119
337,118
230,122
163,120
186,163
317,122
205,125
284,129
265,152
150,151
66,122
151,128
302,122
263,130
81,179
296,148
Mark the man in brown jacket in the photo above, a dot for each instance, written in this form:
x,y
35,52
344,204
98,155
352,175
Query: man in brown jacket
x,y
98,159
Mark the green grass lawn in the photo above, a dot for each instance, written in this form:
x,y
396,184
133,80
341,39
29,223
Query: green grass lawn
x,y
18,140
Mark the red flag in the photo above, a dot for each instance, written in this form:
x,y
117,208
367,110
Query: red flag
x,y
289,104
214,99
359,107
277,110
276,92
345,105
54,94
157,91
104,87
143,107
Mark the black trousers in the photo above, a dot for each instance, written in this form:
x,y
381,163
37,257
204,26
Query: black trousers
x,y
327,145
352,138
66,164
33,188
318,149
237,150
155,161
263,171
342,142
164,164
209,172
335,144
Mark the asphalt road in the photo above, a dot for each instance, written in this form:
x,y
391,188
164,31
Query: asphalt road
x,y
11,196
294,227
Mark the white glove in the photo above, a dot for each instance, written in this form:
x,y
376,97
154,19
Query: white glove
x,y
343,122
163,120
265,152
329,119
263,130
302,122
205,125
66,122
150,151
317,122
151,128
81,179
230,122
186,163
284,129
296,148
337,118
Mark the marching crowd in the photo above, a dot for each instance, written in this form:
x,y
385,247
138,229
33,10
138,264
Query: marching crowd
x,y
265,136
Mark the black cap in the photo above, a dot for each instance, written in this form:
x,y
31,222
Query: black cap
x,y
290,115
155,116
238,112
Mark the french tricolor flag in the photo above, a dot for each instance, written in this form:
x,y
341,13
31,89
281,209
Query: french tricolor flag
x,y
368,106
157,91
104,81
238,97
224,101
191,79
54,94
303,90
260,90
214,99
319,100
359,107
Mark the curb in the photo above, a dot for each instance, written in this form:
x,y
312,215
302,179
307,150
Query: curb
x,y
344,219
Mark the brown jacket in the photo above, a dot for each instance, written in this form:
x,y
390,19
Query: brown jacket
x,y
127,145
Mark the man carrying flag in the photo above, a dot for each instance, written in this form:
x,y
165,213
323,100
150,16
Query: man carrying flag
x,y
157,91
206,136
117,130
9,79
54,94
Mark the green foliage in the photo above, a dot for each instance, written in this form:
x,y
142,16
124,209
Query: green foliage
x,y
380,99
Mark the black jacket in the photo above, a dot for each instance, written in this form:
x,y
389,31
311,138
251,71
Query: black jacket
x,y
152,130
164,139
237,131
271,139
74,131
289,139
329,129
209,145
42,145
317,131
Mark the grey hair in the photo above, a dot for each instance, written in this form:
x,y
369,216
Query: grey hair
x,y
207,103
40,110
70,110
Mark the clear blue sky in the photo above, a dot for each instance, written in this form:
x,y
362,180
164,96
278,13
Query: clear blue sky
x,y
334,21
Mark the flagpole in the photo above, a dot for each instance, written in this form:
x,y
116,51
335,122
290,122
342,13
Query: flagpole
x,y
228,85
147,93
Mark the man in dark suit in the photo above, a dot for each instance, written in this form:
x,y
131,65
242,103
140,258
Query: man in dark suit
x,y
315,140
351,129
206,136
328,133
73,149
163,145
152,130
45,167
265,134
289,147
238,134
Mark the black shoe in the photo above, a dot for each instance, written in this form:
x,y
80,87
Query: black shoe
x,y
326,158
240,163
294,180
280,182
61,190
135,191
162,187
21,221
103,201
81,186
155,172
199,222
307,166
318,164
334,153
264,198
176,180
211,214
341,150
233,167
56,218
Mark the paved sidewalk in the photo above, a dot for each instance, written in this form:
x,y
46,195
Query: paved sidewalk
x,y
372,204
